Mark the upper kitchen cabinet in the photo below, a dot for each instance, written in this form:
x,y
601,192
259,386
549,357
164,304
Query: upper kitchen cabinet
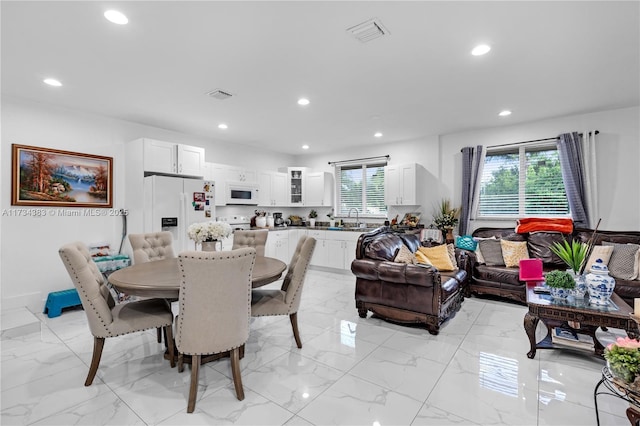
x,y
403,183
171,158
273,189
318,189
222,174
296,182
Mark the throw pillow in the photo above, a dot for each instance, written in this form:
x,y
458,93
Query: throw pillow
x,y
492,252
513,252
383,247
539,244
439,257
598,252
422,258
404,256
479,255
624,259
451,249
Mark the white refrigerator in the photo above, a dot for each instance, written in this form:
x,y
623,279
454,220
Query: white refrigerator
x,y
174,203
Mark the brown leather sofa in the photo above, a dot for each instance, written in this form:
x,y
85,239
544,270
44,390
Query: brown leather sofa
x,y
401,292
504,282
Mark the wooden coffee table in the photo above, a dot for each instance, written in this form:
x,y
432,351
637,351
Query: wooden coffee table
x,y
584,317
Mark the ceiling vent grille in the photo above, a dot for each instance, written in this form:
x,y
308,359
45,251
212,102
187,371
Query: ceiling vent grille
x,y
219,94
368,30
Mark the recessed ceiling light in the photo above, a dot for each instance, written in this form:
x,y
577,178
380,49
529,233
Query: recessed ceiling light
x,y
378,135
303,101
52,82
504,113
305,146
222,126
116,17
480,50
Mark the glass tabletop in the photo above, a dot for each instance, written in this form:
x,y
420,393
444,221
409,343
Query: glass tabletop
x,y
572,302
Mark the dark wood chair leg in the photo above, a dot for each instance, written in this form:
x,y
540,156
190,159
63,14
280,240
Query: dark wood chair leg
x,y
180,363
170,346
193,389
159,335
98,345
235,370
294,324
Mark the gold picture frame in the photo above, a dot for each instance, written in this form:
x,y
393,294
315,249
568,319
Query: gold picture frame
x,y
55,178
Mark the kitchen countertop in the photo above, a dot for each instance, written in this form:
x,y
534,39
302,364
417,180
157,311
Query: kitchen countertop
x,y
323,228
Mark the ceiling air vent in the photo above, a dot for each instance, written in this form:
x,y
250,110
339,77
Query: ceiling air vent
x,y
368,30
219,94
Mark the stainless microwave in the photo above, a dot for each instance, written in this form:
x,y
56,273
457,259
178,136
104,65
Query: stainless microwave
x,y
242,193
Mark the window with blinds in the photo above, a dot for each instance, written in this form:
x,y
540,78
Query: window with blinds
x,y
522,181
360,186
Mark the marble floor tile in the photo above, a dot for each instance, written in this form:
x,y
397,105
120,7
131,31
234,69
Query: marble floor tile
x,y
350,371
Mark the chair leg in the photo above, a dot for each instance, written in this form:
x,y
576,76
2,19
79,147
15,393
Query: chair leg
x,y
235,371
193,389
294,323
159,335
98,345
180,363
170,345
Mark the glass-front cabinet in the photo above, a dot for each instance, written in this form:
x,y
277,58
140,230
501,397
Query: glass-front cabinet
x,y
296,182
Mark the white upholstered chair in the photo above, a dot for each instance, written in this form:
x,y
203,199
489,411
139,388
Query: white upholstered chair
x,y
286,300
105,317
152,246
215,310
251,238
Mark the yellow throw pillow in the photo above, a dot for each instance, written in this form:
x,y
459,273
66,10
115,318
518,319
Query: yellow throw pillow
x,y
438,256
404,256
422,258
513,252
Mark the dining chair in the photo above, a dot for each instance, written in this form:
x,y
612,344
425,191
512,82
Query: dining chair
x,y
152,246
105,317
286,300
215,310
251,238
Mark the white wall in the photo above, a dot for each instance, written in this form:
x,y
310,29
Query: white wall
x,y
29,264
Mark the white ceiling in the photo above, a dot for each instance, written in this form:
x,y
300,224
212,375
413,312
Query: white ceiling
x,y
548,59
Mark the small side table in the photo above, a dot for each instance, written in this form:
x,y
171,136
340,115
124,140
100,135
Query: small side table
x,y
620,390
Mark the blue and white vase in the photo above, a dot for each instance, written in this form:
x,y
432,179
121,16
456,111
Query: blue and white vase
x,y
581,284
600,284
559,293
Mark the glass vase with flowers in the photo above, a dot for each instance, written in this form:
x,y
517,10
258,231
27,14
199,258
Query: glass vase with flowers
x,y
623,360
208,232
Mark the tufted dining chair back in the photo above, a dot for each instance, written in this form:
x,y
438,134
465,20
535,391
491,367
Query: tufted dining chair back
x,y
105,317
152,246
251,238
215,309
286,300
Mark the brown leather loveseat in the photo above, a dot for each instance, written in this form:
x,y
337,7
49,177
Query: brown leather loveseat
x,y
504,281
400,292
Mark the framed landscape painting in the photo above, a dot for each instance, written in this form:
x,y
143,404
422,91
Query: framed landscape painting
x,y
50,177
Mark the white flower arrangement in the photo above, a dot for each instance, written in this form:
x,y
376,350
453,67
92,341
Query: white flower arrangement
x,y
208,231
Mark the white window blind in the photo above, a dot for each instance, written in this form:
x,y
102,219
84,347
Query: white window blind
x,y
360,186
522,181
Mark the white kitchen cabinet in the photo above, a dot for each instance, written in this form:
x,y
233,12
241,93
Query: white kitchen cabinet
x,y
172,158
273,189
221,174
318,189
295,185
341,248
278,245
403,184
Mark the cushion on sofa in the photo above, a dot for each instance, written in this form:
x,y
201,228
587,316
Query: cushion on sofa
x,y
451,249
492,252
478,252
598,252
439,257
513,252
539,244
383,247
422,258
624,260
404,255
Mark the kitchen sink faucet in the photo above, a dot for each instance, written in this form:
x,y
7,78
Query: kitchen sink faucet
x,y
358,224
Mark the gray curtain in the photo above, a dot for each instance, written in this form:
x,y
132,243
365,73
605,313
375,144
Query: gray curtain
x,y
573,174
470,180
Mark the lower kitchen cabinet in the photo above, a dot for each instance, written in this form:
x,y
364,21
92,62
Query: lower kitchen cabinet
x,y
278,246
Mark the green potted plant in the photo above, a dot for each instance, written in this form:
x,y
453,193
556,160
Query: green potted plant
x,y
574,254
445,218
312,218
560,283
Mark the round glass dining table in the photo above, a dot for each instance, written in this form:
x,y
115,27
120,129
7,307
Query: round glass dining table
x,y
161,278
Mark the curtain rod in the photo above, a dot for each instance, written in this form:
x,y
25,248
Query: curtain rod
x,y
535,140
360,159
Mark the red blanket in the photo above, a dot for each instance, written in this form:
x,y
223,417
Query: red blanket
x,y
532,224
